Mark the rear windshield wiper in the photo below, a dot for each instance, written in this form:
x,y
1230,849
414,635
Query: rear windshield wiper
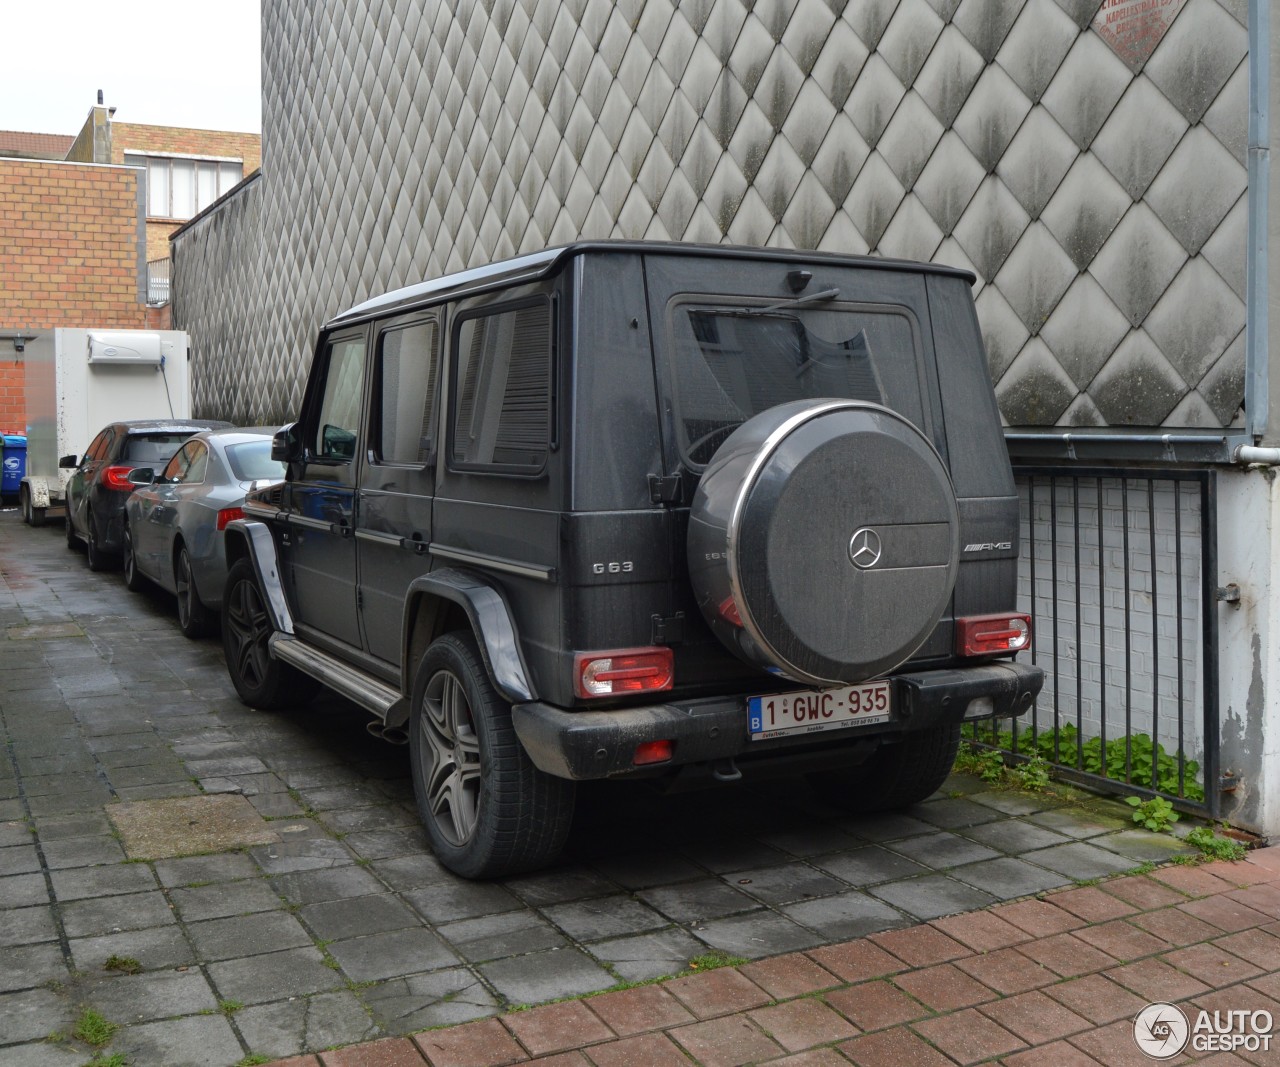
x,y
783,305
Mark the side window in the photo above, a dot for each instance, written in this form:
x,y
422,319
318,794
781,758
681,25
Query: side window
x,y
405,390
95,449
339,416
199,455
176,469
501,409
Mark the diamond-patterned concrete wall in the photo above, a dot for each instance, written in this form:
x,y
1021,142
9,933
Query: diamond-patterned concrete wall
x,y
1100,200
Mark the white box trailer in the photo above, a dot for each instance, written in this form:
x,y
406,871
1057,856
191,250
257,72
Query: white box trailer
x,y
78,381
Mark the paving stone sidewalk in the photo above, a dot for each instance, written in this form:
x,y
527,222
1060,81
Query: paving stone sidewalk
x,y
1054,981
342,927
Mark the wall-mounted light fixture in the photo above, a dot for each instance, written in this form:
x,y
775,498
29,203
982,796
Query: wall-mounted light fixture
x,y
18,340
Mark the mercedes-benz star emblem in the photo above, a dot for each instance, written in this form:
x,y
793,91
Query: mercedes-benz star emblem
x,y
864,548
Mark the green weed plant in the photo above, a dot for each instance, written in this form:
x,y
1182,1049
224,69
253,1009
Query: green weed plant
x,y
1134,764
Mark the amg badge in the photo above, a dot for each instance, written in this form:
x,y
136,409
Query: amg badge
x,y
990,546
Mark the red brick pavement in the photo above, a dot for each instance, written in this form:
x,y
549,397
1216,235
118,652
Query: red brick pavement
x,y
1050,982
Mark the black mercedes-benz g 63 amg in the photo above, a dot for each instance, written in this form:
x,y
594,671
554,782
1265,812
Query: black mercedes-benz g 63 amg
x,y
630,508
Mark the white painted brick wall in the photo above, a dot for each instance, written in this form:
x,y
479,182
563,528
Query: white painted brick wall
x,y
1088,676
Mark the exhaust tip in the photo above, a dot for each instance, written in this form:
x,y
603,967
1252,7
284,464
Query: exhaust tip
x,y
392,735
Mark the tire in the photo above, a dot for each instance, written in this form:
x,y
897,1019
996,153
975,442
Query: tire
x,y
824,541
98,560
31,516
133,580
895,776
194,619
262,682
487,809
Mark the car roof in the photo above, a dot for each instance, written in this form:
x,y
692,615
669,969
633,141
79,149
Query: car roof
x,y
540,264
168,425
229,435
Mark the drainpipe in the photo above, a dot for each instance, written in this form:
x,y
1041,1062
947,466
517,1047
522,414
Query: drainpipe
x,y
1252,455
1257,385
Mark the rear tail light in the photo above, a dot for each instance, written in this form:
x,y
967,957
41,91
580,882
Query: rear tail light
x,y
226,515
990,635
118,478
623,671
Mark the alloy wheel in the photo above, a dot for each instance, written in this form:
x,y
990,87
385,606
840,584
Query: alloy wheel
x,y
452,776
183,587
250,630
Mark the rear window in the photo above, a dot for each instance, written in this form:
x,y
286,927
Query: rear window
x,y
152,449
734,361
251,461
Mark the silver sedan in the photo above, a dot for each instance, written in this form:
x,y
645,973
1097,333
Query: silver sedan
x,y
174,520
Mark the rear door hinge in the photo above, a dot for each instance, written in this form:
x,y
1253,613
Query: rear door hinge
x,y
668,630
665,488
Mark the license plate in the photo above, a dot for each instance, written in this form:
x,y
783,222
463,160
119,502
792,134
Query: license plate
x,y
815,711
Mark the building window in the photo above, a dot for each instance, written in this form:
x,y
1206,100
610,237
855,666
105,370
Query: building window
x,y
180,187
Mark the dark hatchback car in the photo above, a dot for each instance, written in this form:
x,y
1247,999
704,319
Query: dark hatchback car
x,y
96,492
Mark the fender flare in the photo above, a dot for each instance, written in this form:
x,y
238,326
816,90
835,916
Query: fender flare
x,y
491,622
252,539
38,491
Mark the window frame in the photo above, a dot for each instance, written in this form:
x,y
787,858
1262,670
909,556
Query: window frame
x,y
198,449
682,302
97,447
508,470
311,428
374,429
177,457
144,160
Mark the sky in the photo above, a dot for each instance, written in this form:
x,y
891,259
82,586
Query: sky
x,y
160,62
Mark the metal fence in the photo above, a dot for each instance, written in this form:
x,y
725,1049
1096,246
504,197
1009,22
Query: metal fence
x,y
1118,569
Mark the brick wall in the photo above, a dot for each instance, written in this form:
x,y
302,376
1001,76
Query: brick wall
x,y
158,239
68,257
13,408
130,137
93,138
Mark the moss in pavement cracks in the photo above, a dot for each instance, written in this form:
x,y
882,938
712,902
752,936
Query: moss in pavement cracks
x,y
93,1028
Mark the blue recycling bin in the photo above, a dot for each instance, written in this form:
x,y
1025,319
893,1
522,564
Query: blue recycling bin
x,y
15,463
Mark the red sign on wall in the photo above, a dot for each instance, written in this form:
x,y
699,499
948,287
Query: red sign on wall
x,y
1133,28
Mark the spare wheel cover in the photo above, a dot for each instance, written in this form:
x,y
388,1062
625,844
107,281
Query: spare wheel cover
x,y
841,542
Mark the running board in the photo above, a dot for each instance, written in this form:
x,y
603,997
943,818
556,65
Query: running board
x,y
370,693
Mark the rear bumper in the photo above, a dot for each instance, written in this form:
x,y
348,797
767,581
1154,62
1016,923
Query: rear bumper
x,y
600,744
210,570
